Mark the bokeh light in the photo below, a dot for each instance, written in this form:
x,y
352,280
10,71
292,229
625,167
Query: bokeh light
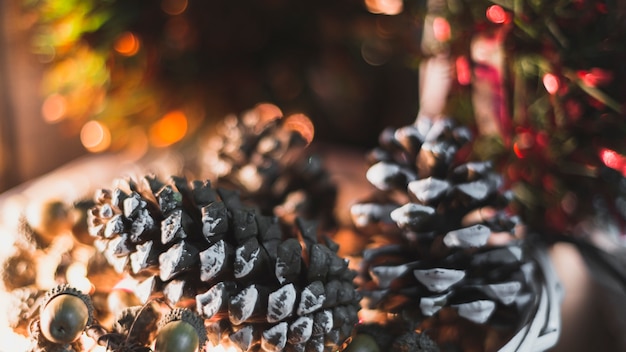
x,y
54,108
170,129
384,7
463,71
174,7
441,29
551,82
302,124
95,136
496,14
268,112
613,159
127,44
595,77
376,52
222,348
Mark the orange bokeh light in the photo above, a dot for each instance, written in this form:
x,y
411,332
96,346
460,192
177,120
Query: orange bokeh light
x,y
54,108
384,7
268,112
302,124
170,129
127,44
518,151
95,136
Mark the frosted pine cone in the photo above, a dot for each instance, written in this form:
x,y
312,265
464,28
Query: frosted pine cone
x,y
453,251
253,280
265,157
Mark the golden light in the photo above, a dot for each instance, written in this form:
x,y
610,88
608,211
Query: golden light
x,y
10,338
122,297
250,178
77,277
302,124
127,44
95,136
170,129
54,108
384,7
222,348
16,341
174,7
90,345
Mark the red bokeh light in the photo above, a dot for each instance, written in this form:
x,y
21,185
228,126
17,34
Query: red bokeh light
x,y
463,71
496,14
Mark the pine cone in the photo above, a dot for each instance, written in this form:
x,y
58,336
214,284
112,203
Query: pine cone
x,y
443,259
266,157
252,279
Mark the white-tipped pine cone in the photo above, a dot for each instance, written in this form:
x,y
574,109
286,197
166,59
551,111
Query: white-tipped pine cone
x,y
255,281
450,246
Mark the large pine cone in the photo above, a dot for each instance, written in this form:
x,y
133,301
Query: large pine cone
x,y
255,281
443,242
266,157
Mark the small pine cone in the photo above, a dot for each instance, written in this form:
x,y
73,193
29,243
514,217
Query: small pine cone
x,y
266,157
443,256
254,280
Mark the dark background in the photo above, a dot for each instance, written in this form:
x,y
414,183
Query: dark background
x,y
352,72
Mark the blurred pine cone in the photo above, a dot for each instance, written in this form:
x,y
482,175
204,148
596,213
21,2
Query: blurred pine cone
x,y
256,281
268,159
444,250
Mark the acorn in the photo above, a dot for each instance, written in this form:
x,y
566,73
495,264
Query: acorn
x,y
64,314
362,343
393,336
181,330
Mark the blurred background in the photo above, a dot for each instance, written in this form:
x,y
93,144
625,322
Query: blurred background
x,y
86,78
29,146
94,76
